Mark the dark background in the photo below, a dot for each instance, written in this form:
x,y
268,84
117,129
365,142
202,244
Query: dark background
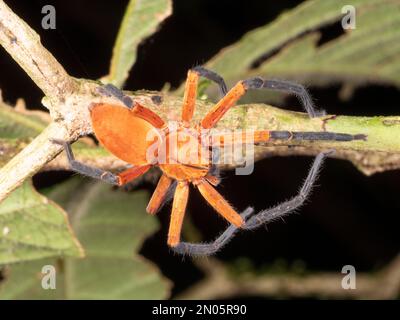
x,y
350,218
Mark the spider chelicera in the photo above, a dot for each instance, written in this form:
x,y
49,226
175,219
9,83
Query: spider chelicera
x,y
124,129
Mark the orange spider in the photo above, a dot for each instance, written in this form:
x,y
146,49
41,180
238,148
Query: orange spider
x,y
124,129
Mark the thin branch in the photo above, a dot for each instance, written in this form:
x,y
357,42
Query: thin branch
x,y
219,284
31,159
23,44
381,151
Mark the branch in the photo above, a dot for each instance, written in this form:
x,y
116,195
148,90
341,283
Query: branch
x,y
68,99
63,97
219,284
31,159
379,153
23,44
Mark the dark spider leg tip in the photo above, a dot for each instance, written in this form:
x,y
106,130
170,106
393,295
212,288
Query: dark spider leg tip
x,y
213,76
360,137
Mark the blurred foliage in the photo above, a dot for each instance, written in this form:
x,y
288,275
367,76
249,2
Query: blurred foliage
x,y
17,125
32,227
289,46
17,128
111,226
244,265
141,20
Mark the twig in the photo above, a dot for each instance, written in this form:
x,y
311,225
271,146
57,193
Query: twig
x,y
23,44
31,158
219,284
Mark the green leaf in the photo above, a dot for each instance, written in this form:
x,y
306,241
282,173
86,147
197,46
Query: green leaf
x,y
14,124
369,53
112,226
33,227
17,128
142,17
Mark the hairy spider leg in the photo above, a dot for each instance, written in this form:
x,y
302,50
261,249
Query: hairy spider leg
x,y
189,97
233,95
178,212
148,115
263,136
257,220
159,194
289,87
190,94
103,175
213,76
131,174
210,248
217,201
223,105
214,180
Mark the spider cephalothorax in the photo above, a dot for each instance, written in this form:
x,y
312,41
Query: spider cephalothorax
x,y
182,151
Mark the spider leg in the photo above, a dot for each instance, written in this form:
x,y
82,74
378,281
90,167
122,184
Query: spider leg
x,y
313,136
159,195
189,97
178,212
289,87
261,218
229,100
210,248
223,105
214,198
241,137
148,115
289,206
263,136
132,173
96,173
192,80
111,90
213,76
213,180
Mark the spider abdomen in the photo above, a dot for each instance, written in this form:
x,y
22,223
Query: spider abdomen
x,y
123,133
